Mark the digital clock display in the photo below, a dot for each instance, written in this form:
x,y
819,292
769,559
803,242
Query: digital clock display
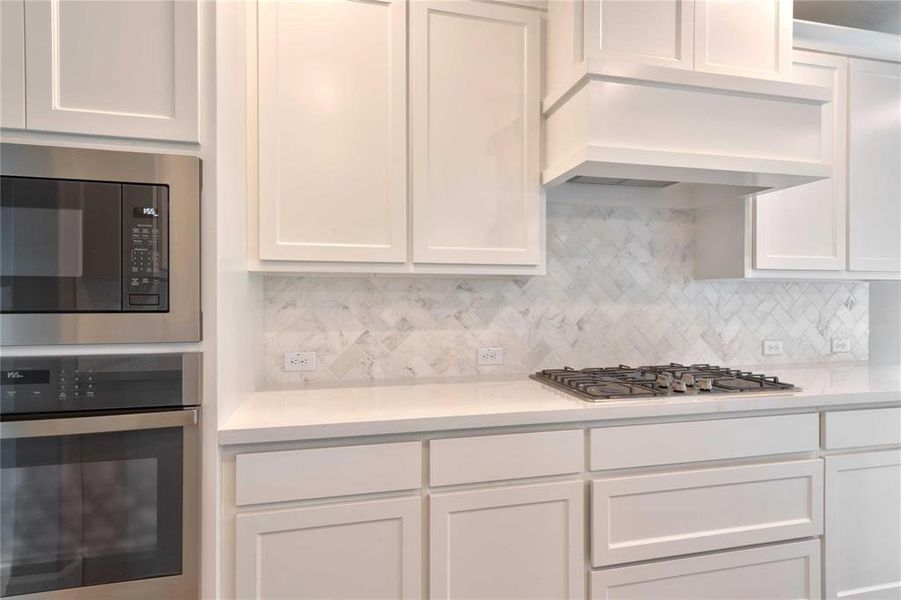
x,y
24,377
145,212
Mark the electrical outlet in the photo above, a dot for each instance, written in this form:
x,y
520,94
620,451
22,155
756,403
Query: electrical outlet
x,y
300,361
841,345
490,356
773,348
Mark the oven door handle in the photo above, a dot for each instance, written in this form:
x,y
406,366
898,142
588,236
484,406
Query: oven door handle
x,y
99,424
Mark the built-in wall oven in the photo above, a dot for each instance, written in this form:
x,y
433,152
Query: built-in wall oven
x,y
99,477
98,246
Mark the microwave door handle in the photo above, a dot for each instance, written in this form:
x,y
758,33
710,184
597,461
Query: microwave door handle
x,y
99,424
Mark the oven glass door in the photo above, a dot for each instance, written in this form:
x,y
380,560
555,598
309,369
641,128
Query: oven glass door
x,y
89,509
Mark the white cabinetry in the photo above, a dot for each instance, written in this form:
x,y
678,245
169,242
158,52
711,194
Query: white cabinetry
x,y
873,173
344,551
752,38
126,69
779,572
332,130
511,542
803,227
475,107
334,155
12,64
863,526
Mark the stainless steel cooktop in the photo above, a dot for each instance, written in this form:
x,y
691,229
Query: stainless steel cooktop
x,y
622,382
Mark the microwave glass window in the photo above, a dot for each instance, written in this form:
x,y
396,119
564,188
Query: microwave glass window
x,y
90,509
82,246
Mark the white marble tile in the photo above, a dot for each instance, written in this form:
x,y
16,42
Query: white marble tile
x,y
619,289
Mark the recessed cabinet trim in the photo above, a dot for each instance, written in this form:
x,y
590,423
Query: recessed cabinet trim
x,y
12,69
62,85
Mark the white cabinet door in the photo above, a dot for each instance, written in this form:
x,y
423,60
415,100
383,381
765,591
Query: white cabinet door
x,y
874,179
332,130
514,542
104,67
778,572
652,32
12,64
751,38
475,85
863,526
345,551
803,227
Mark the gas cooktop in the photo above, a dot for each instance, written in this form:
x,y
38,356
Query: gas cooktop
x,y
622,382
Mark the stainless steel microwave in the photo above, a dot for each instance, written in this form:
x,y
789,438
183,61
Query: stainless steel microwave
x,y
98,246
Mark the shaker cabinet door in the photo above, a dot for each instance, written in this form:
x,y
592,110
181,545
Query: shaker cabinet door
x,y
863,526
332,130
511,542
475,86
803,227
338,551
874,179
105,67
12,64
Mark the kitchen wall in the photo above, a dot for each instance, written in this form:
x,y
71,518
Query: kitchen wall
x,y
885,322
619,289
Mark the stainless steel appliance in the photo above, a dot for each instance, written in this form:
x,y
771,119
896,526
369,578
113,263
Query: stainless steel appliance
x,y
627,383
98,246
99,477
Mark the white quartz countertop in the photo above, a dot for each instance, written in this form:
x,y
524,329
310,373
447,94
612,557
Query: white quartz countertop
x,y
335,412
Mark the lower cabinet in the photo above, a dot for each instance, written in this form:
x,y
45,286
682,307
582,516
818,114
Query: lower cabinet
x,y
863,525
781,571
355,550
510,542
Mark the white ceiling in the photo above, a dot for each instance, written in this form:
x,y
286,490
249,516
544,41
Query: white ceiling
x,y
878,15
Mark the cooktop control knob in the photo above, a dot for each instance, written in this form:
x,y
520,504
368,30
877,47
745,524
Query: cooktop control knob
x,y
688,379
705,384
664,380
679,386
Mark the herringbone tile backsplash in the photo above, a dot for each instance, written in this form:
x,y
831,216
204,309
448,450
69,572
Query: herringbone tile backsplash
x,y
619,289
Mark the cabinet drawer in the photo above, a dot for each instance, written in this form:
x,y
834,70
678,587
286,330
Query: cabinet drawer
x,y
651,516
496,457
323,472
782,571
854,428
691,441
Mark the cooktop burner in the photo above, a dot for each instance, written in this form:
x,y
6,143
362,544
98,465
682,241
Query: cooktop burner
x,y
622,382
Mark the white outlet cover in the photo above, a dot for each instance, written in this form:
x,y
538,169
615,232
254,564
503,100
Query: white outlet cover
x,y
492,355
300,361
841,345
773,348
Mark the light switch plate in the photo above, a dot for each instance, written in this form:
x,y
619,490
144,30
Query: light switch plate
x,y
841,345
300,361
773,348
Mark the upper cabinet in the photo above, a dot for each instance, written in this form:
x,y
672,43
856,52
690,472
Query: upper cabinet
x,y
752,38
103,67
12,64
335,154
803,227
845,227
475,117
333,130
873,173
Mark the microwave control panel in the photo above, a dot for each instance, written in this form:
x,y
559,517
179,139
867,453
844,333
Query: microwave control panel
x,y
145,248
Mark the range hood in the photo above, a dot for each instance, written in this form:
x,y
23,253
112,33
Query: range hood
x,y
639,125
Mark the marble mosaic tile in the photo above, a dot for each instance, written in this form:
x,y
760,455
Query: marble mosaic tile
x,y
619,289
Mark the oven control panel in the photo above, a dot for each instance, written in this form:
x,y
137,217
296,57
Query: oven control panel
x,y
74,384
145,248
